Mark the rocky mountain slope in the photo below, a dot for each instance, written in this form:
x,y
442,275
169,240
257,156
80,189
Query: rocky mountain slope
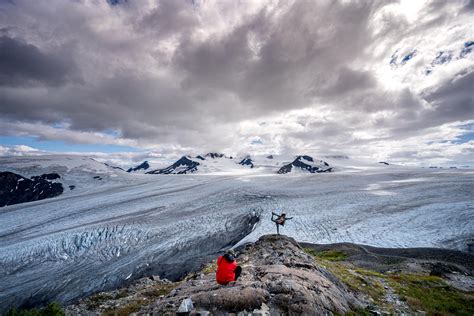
x,y
140,168
75,173
15,189
283,277
278,277
305,163
182,166
220,163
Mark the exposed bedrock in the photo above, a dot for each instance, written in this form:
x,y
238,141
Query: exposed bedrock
x,y
277,274
15,189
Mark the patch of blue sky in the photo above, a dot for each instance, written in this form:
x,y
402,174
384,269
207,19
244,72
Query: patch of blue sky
x,y
116,2
467,136
467,49
62,147
408,57
464,138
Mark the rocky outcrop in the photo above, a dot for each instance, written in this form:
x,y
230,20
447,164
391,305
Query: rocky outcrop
x,y
143,166
182,166
15,189
278,277
281,278
247,161
215,155
307,164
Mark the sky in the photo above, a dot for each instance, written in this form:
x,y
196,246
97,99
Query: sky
x,y
126,80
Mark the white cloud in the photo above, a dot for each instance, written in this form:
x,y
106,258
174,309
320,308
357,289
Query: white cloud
x,y
180,77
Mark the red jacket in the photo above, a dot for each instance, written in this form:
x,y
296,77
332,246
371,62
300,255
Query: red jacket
x,y
225,270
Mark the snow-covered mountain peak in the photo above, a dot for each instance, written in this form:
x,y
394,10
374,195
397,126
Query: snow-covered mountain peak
x,y
305,163
184,165
247,161
76,172
141,167
214,155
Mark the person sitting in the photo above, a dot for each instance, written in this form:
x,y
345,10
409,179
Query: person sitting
x,y
280,220
227,268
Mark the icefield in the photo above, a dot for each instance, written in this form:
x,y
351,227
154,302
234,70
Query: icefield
x,y
99,237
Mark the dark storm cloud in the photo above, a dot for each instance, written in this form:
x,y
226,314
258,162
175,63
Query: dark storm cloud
x,y
454,100
469,5
301,55
24,64
125,101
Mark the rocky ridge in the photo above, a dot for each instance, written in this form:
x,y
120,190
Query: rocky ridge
x,y
182,166
143,166
15,189
278,278
305,163
282,278
216,162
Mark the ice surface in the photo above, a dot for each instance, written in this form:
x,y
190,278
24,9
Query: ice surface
x,y
108,233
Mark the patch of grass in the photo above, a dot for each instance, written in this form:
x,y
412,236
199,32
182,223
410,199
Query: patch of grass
x,y
362,283
159,290
358,280
121,294
421,292
359,312
210,268
125,310
369,273
147,297
330,255
52,309
95,300
432,294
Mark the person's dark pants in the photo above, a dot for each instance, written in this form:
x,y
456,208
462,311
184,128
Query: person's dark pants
x,y
237,272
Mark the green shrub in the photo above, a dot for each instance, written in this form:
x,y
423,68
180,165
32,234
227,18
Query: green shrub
x,y
330,255
432,294
52,309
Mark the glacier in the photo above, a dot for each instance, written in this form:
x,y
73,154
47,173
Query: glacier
x,y
107,233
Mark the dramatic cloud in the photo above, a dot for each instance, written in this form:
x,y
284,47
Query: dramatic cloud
x,y
23,64
388,80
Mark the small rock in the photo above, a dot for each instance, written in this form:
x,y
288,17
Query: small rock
x,y
186,306
155,278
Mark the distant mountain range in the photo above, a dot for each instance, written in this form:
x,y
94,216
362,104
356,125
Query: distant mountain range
x,y
218,162
32,178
